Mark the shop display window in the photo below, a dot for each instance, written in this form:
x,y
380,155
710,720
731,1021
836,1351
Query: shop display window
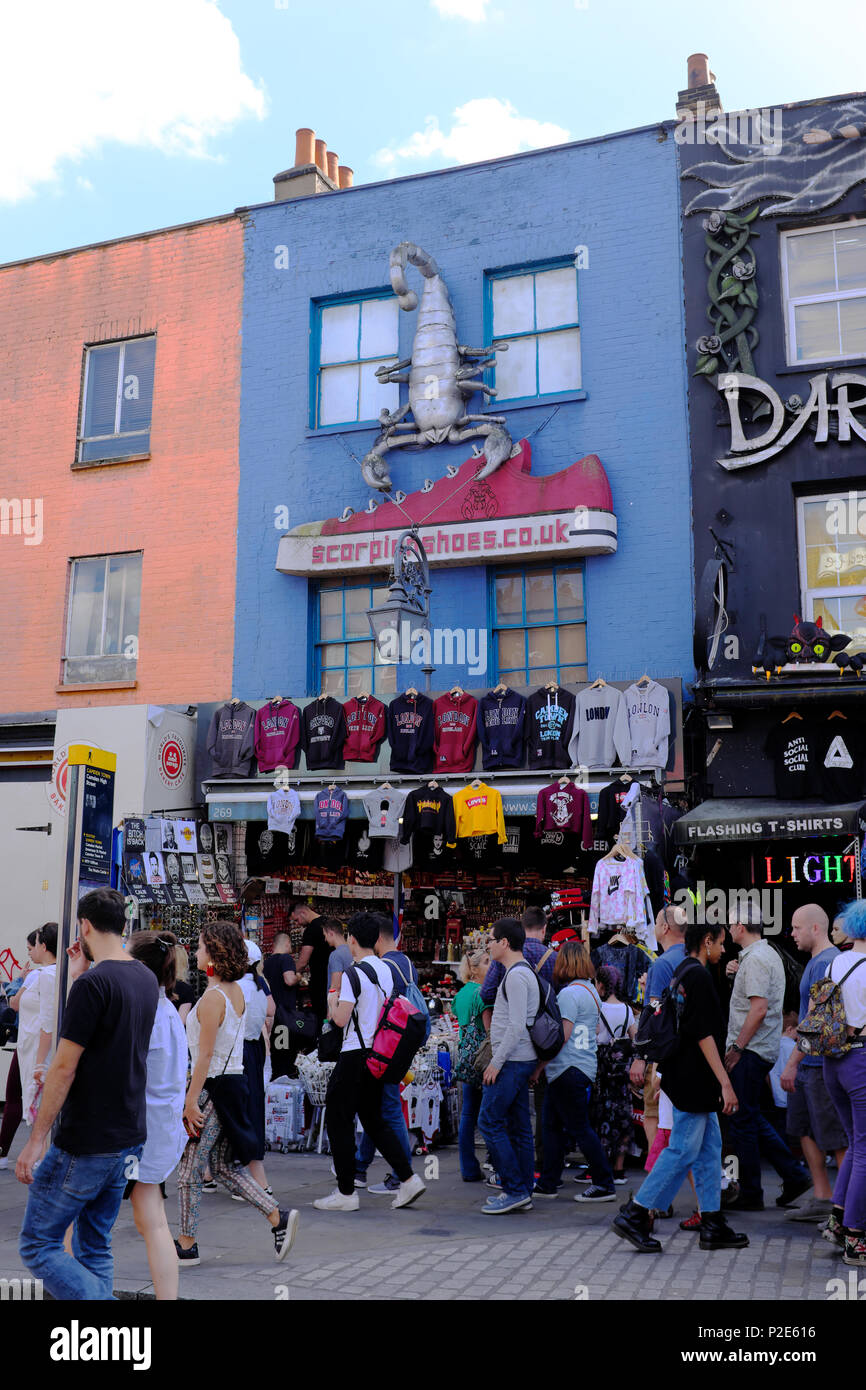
x,y
351,338
539,624
346,660
824,280
117,400
832,537
535,313
102,619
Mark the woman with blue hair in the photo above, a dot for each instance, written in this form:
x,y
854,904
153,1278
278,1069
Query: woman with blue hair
x,y
845,1078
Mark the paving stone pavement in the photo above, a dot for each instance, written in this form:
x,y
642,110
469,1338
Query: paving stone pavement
x,y
444,1248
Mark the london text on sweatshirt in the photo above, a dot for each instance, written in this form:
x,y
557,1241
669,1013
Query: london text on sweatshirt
x,y
231,740
429,811
410,733
550,720
365,729
601,732
649,724
564,808
383,809
278,735
454,724
284,807
501,729
323,732
478,811
331,811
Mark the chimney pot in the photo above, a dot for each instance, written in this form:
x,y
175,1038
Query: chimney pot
x,y
346,176
304,146
322,155
699,71
333,165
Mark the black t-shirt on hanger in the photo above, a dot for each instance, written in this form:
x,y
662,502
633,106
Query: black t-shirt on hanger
x,y
791,746
840,760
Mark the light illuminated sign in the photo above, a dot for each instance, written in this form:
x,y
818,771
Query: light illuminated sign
x,y
810,868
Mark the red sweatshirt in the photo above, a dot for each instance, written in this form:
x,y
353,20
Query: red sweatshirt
x,y
454,723
565,808
278,733
365,729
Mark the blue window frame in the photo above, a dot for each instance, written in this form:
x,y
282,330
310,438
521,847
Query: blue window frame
x,y
534,310
117,400
351,337
538,621
346,661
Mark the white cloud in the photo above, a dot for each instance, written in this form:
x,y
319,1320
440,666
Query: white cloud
x,y
484,128
473,10
165,75
84,184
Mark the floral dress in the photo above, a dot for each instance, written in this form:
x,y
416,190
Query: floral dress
x,y
611,1105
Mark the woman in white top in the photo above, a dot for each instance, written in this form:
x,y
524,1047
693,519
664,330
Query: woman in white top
x,y
166,1137
845,1079
12,1109
258,1020
215,1032
36,1018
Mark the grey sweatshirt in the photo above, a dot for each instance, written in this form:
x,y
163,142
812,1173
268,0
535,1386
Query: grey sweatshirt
x,y
601,731
509,1035
383,810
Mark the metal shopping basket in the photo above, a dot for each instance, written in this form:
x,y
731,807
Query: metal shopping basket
x,y
315,1076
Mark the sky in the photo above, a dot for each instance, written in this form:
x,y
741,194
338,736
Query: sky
x,y
119,117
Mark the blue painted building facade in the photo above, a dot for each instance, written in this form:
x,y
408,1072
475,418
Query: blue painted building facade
x,y
606,209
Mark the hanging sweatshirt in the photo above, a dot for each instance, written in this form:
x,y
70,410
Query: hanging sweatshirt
x,y
501,729
365,729
410,733
601,732
383,809
478,811
618,888
429,811
331,813
610,810
454,724
284,807
564,808
649,724
323,732
231,741
550,720
278,735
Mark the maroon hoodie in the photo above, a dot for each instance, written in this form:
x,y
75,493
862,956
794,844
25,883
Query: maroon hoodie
x,y
278,735
564,808
365,726
454,724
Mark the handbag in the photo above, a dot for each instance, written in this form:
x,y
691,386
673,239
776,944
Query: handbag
x,y
471,1044
301,1023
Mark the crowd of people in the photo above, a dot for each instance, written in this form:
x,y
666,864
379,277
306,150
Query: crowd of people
x,y
145,1080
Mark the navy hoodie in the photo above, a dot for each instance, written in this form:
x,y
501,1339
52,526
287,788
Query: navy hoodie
x,y
410,733
501,729
550,721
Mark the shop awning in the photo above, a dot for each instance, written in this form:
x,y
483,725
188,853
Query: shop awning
x,y
718,822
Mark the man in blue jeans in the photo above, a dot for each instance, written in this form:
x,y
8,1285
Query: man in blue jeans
x,y
403,971
504,1119
96,1084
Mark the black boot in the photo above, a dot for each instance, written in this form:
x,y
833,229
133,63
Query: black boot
x,y
716,1234
634,1224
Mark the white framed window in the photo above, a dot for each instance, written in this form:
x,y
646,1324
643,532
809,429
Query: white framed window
x,y
346,659
352,338
117,400
538,618
824,281
831,530
102,619
535,313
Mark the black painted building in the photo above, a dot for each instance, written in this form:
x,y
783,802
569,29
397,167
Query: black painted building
x,y
774,255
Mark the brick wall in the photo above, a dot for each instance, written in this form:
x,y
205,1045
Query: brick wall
x,y
179,507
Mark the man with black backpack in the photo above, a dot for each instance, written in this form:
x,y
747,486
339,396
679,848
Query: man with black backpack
x,y
504,1119
353,1089
687,1040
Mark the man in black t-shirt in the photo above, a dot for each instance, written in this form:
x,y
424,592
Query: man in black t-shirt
x,y
695,1080
315,953
279,971
96,1084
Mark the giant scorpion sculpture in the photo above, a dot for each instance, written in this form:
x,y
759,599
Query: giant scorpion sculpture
x,y
442,374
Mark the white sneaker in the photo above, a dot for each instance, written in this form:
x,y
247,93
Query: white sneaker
x,y
408,1192
336,1201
